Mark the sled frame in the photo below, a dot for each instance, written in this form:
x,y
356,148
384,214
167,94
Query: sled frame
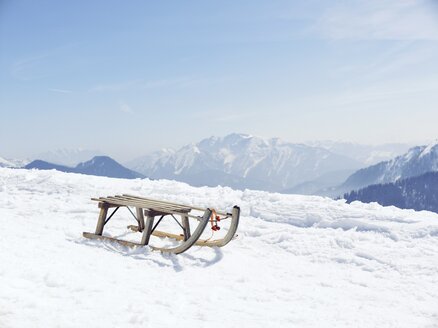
x,y
151,209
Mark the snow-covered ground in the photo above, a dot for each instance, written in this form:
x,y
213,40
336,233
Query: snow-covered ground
x,y
298,261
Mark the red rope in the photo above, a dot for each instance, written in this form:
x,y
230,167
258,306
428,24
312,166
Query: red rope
x,y
214,219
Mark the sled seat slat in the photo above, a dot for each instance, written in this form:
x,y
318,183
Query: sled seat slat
x,y
108,202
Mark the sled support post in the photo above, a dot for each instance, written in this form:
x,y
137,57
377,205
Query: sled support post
x,y
148,228
140,218
102,217
186,225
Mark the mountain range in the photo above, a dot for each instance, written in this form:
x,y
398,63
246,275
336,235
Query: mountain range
x,y
243,161
98,165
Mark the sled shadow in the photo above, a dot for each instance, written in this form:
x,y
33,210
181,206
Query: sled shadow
x,y
208,257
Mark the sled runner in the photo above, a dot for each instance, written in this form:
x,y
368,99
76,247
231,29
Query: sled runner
x,y
151,209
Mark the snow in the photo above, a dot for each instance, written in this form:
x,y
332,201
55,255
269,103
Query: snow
x,y
429,148
228,157
298,261
12,163
5,162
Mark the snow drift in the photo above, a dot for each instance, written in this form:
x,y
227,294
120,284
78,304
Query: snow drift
x,y
299,261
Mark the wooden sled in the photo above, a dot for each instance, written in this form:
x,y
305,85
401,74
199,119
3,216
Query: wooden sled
x,y
151,208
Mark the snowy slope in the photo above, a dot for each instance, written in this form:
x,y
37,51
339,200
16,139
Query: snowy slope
x,y
299,261
417,161
243,161
12,162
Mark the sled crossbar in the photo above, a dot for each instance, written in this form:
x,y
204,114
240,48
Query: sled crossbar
x,y
151,208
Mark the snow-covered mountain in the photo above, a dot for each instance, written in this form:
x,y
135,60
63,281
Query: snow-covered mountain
x,y
418,193
244,161
418,160
365,154
98,165
12,163
298,261
69,157
149,160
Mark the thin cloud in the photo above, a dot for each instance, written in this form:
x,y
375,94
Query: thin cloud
x,y
140,84
60,90
380,20
33,67
116,86
23,69
125,108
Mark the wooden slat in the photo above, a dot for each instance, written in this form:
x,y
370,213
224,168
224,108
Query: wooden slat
x,y
157,203
115,200
164,206
146,204
166,202
121,202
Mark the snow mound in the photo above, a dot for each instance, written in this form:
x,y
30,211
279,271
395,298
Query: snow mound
x,y
298,261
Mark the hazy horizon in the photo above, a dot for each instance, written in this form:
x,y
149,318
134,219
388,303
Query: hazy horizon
x,y
122,159
128,78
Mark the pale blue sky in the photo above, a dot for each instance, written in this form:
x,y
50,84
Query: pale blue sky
x,y
128,77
